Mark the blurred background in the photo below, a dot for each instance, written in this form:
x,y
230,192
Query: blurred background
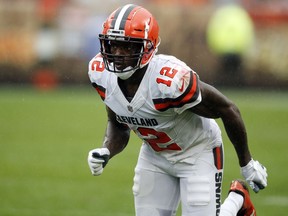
x,y
50,42
50,116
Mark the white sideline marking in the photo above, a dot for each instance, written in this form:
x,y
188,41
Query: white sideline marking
x,y
276,200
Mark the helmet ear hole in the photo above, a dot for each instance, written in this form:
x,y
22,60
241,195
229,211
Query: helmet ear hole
x,y
149,46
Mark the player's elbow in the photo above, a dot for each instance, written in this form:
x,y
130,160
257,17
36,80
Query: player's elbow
x,y
230,112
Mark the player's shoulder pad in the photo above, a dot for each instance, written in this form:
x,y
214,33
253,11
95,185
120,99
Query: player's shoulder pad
x,y
96,64
175,80
178,86
96,70
98,75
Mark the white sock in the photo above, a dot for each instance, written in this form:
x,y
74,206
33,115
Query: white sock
x,y
232,204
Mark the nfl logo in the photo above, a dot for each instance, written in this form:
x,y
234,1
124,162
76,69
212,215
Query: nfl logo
x,y
130,108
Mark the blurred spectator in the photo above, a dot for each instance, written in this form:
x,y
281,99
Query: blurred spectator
x,y
230,33
48,9
71,22
46,43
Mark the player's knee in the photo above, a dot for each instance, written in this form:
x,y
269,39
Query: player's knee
x,y
143,183
198,191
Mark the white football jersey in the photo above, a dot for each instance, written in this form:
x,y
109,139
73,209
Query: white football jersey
x,y
158,113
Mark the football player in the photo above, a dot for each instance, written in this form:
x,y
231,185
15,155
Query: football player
x,y
164,102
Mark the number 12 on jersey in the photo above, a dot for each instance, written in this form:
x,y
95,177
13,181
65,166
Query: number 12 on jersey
x,y
169,73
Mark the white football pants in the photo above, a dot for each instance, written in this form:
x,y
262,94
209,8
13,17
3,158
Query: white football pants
x,y
160,185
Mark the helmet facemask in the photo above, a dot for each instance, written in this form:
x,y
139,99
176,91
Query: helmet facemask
x,y
135,48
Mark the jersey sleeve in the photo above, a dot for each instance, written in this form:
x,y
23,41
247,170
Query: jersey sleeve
x,y
96,72
179,89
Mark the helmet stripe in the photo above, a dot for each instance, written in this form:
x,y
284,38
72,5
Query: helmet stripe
x,y
121,16
115,17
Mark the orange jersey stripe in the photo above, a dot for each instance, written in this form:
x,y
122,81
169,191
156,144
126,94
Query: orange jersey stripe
x,y
101,90
218,157
190,95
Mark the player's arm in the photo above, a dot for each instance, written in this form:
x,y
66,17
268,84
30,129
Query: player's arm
x,y
115,140
215,105
117,135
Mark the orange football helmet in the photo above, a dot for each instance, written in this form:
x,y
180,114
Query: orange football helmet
x,y
134,26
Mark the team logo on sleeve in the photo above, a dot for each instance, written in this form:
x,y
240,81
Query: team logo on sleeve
x,y
182,85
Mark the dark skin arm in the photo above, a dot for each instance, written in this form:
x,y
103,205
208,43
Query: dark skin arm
x,y
117,135
215,105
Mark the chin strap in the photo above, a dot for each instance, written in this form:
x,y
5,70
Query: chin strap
x,y
126,75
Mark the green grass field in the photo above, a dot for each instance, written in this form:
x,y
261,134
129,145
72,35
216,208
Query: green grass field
x,y
45,138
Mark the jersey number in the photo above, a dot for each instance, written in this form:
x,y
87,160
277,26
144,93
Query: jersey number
x,y
160,138
166,71
97,66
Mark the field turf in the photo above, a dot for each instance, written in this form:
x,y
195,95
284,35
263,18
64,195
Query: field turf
x,y
45,138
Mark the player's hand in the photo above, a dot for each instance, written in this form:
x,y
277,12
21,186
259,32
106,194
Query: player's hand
x,y
97,160
255,175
